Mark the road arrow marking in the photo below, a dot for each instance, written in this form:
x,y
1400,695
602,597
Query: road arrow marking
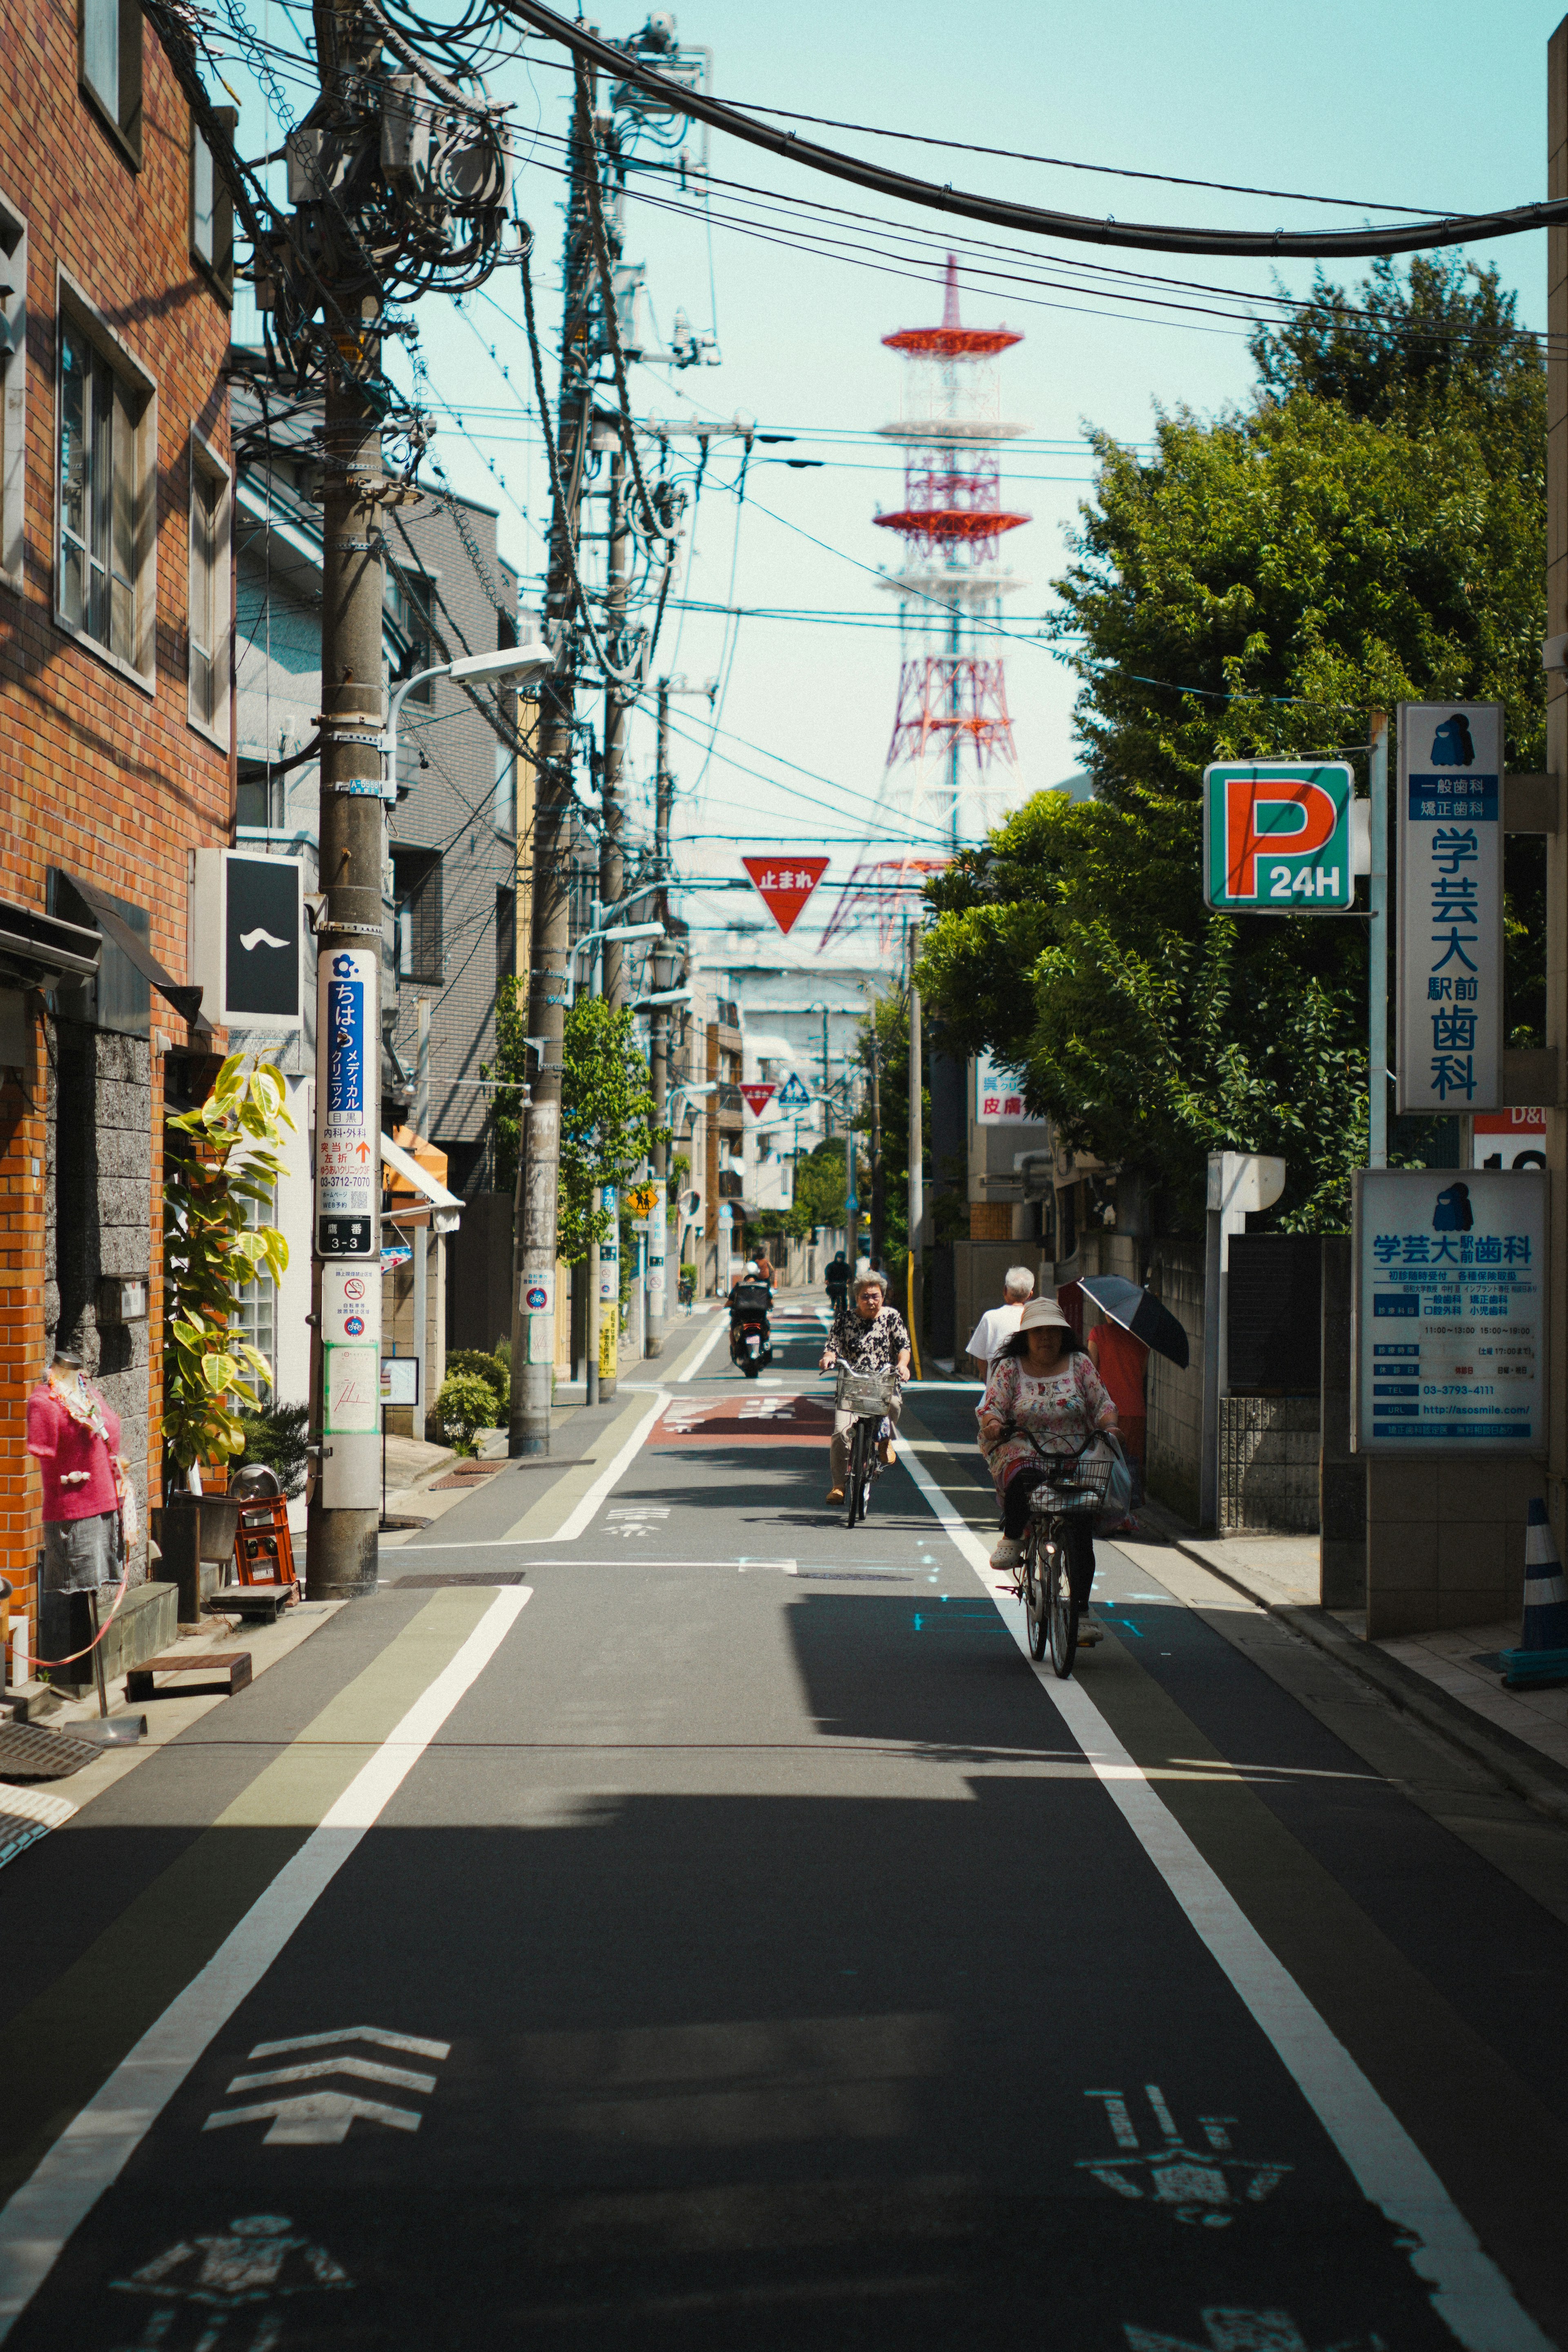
x,y
379,2034
364,2070
317,2119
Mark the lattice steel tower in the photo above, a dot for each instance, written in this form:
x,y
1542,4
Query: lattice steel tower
x,y
951,748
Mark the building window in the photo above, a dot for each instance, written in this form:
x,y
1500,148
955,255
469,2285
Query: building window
x,y
253,1314
110,66
503,807
506,935
416,885
13,388
212,212
410,599
207,694
104,589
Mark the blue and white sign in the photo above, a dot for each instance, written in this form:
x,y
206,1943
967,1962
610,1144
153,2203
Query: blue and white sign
x,y
348,1140
791,1094
1450,906
1450,1310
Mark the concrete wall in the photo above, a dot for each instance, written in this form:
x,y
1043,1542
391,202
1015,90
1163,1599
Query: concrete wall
x,y
1445,1542
1268,1449
1176,1397
1341,1549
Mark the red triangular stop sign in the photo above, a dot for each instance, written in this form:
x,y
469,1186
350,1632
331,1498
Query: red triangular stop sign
x,y
758,1096
785,882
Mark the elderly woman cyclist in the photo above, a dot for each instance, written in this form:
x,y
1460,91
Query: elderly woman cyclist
x,y
1042,1387
867,1336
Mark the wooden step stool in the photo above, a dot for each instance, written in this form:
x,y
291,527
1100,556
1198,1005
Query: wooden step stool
x,y
233,1665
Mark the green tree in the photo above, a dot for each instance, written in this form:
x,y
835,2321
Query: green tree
x,y
222,1168
1370,529
607,1128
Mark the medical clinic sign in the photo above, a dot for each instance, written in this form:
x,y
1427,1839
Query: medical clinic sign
x,y
1450,906
1277,837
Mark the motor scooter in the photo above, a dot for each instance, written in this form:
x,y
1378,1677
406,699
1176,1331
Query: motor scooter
x,y
751,1335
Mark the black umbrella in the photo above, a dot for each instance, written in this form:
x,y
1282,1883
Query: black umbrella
x,y
1139,1313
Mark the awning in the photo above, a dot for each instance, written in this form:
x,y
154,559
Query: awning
x,y
35,947
186,1001
445,1209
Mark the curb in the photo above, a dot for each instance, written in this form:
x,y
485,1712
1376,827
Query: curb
x,y
1536,1779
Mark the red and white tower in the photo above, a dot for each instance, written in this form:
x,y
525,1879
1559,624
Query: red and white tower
x,y
952,763
951,758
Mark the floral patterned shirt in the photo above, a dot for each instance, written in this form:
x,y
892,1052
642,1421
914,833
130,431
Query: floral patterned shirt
x,y
873,1347
1061,1410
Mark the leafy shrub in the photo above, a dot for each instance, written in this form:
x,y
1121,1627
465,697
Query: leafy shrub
x,y
467,1404
276,1436
473,1363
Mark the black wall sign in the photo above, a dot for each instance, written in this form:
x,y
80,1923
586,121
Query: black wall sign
x,y
262,939
1274,1318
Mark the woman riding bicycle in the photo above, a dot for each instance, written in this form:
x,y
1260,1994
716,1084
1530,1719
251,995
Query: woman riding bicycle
x,y
1044,1397
867,1336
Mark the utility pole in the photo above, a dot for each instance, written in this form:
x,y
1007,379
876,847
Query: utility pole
x,y
421,1231
917,1147
658,1037
533,1324
878,1182
344,1511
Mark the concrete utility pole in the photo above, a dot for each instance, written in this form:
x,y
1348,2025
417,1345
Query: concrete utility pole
x,y
533,1326
422,1231
917,1145
659,1033
344,1505
1557,765
879,1187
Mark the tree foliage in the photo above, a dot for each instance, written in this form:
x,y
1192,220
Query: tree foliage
x,y
222,1166
1370,529
607,1129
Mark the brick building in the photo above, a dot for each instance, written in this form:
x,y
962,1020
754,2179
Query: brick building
x,y
114,693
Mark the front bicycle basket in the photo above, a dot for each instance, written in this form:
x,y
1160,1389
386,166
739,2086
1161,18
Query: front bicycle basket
x,y
863,1394
1071,1485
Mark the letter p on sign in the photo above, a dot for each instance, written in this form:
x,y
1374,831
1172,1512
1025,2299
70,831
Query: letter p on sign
x,y
1277,837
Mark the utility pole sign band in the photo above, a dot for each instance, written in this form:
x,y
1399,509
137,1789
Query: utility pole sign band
x,y
1450,986
348,1147
1277,837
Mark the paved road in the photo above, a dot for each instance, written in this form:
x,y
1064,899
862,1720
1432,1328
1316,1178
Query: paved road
x,y
662,1919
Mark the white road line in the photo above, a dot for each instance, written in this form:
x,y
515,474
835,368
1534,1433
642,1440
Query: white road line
x,y
101,2137
720,1326
1469,2293
581,1519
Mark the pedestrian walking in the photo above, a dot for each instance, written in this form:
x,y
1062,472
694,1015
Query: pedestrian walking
x,y
996,1327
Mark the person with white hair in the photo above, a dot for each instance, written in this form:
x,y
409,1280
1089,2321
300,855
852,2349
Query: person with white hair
x,y
995,1327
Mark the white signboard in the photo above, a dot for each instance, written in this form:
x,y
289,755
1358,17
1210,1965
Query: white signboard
x,y
1509,1138
998,1094
1450,1310
1450,906
352,1385
347,1136
658,1230
610,1250
400,1379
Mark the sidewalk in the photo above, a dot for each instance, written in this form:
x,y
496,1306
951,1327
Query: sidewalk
x,y
1522,1737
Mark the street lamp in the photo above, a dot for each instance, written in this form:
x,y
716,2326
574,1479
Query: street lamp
x,y
612,931
533,660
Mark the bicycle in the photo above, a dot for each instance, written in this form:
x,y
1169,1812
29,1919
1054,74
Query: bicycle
x,y
867,1396
1062,1512
685,1292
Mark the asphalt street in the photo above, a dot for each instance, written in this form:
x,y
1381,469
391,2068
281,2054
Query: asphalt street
x,y
661,1917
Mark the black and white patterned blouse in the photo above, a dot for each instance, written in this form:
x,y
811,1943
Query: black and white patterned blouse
x,y
873,1347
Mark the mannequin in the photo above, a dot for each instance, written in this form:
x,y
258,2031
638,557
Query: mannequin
x,y
75,1438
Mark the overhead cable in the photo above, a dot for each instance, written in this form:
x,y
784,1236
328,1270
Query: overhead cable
x,y
1034,220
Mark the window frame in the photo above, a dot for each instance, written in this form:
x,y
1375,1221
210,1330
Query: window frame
x,y
122,118
13,392
216,268
76,313
421,945
207,467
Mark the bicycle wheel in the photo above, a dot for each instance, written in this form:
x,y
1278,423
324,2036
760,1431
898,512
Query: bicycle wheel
x,y
870,1468
856,1479
1061,1609
1035,1612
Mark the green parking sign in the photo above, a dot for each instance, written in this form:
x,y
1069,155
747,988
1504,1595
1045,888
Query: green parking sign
x,y
1277,837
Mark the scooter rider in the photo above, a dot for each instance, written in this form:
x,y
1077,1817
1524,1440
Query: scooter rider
x,y
749,1281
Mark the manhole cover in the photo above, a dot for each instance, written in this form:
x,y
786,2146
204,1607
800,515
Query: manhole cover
x,y
459,1478
439,1583
30,1753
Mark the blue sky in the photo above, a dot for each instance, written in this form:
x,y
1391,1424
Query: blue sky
x,y
1385,103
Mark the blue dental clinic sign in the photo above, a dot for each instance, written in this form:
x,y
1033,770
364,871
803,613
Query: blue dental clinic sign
x,y
1450,1310
1277,837
1449,988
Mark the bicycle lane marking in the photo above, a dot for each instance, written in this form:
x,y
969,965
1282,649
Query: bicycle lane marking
x,y
101,2138
1469,2293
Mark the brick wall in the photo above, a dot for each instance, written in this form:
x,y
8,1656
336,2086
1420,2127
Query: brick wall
x,y
97,774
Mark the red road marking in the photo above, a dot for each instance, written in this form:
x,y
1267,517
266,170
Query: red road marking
x,y
757,1420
